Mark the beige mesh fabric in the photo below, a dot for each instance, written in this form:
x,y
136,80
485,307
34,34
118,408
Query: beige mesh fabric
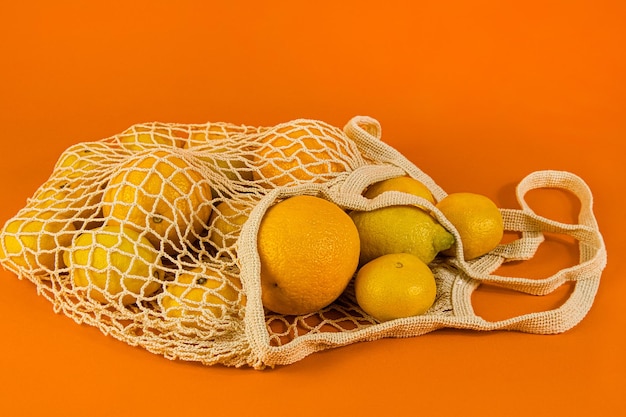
x,y
159,226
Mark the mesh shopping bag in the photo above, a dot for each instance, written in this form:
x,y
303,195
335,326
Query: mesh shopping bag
x,y
151,236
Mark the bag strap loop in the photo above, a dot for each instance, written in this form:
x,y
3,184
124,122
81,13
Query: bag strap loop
x,y
585,274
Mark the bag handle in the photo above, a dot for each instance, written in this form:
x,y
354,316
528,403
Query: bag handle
x,y
366,132
532,226
585,274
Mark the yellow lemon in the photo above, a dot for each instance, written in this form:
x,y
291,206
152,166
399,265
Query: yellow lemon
x,y
395,286
114,262
407,185
81,159
222,147
225,225
202,134
478,221
146,136
200,291
400,229
76,185
33,240
78,198
309,251
161,193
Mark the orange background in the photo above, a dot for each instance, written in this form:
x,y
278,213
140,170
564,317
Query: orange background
x,y
477,94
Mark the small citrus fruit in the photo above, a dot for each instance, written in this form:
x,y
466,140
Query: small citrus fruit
x,y
115,262
400,229
145,136
199,291
407,185
478,221
34,240
301,151
309,251
78,198
81,159
75,186
162,193
232,158
394,286
201,134
225,224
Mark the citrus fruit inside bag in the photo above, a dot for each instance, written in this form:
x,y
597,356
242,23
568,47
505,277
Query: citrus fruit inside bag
x,y
156,236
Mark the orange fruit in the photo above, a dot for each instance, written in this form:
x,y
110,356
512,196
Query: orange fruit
x,y
478,221
394,286
302,151
160,193
407,185
309,251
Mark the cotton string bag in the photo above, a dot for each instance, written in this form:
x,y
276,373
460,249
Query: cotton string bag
x,y
188,287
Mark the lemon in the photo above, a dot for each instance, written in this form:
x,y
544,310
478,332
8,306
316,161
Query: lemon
x,y
394,286
33,240
75,187
478,221
78,198
140,137
114,262
207,144
400,229
82,159
232,166
162,193
407,185
225,224
200,134
199,291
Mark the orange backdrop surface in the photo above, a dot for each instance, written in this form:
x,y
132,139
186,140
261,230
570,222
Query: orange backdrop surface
x,y
478,94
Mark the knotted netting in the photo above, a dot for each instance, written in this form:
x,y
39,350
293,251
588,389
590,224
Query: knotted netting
x,y
150,236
